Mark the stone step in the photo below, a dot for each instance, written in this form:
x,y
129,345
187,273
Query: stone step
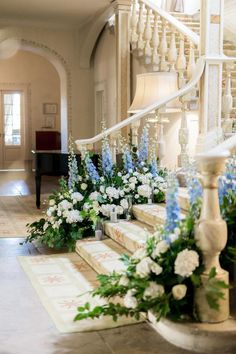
x,y
103,256
129,234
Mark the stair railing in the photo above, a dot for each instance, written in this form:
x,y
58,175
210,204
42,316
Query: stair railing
x,y
165,51
211,229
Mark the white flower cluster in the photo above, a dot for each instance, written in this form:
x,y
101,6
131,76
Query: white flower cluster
x,y
65,210
186,262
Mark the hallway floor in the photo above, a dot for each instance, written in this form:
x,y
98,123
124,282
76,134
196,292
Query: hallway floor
x,y
26,328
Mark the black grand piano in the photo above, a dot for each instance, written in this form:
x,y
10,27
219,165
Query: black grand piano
x,y
49,163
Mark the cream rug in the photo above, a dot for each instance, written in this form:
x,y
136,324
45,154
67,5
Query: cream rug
x,y
63,283
16,212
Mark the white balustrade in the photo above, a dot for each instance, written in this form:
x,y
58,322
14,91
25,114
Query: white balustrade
x,y
172,54
141,27
155,44
191,62
147,37
183,158
181,62
227,101
134,132
163,47
133,24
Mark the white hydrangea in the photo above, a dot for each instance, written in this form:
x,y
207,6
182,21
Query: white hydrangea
x,y
161,247
106,209
73,216
153,291
179,291
50,211
144,190
65,205
119,210
186,262
94,195
86,206
76,197
124,203
129,300
112,193
132,186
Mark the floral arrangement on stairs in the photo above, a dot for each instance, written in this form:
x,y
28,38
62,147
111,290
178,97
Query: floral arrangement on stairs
x,y
162,276
92,193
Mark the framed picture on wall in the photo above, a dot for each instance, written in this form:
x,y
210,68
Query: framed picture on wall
x,y
50,108
50,122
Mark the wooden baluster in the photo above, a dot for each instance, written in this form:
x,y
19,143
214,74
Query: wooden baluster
x,y
141,27
191,62
163,48
211,236
227,101
172,54
134,133
148,37
181,62
155,44
183,158
133,25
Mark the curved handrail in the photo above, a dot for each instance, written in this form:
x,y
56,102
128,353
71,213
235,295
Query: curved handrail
x,y
130,120
228,145
174,22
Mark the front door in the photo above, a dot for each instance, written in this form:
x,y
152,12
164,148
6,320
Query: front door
x,y
12,132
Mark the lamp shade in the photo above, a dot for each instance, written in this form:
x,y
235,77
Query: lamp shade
x,y
153,87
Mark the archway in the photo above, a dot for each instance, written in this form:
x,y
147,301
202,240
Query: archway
x,y
9,47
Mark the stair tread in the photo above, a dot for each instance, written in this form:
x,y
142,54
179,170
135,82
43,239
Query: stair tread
x,y
103,256
130,234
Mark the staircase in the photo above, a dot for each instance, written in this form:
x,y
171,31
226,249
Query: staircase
x,y
125,237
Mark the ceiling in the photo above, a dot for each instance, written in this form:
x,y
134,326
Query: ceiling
x,y
71,13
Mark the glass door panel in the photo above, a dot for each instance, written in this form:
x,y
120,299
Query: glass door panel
x,y
12,119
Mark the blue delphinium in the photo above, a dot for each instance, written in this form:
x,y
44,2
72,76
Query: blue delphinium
x,y
194,188
127,160
154,167
143,146
73,168
173,215
227,182
107,163
91,169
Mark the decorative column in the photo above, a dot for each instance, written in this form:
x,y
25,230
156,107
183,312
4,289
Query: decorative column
x,y
211,39
122,30
211,236
183,158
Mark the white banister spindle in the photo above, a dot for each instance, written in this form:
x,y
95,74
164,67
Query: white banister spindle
x,y
133,24
211,236
147,37
134,133
227,101
155,44
163,47
181,62
113,143
160,141
191,62
141,27
172,54
183,134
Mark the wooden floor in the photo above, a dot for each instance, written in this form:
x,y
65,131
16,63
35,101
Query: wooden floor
x,y
23,183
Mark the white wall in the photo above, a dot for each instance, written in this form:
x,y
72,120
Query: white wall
x,y
105,75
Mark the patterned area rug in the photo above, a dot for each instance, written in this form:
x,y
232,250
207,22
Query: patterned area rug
x,y
63,283
16,212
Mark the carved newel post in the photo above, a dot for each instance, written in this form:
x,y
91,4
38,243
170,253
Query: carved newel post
x,y
211,236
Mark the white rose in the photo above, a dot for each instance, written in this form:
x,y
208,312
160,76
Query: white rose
x,y
153,291
143,268
124,281
132,186
129,300
94,195
83,186
77,197
179,291
65,205
119,210
144,190
133,180
155,268
52,202
161,247
186,262
139,254
122,193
